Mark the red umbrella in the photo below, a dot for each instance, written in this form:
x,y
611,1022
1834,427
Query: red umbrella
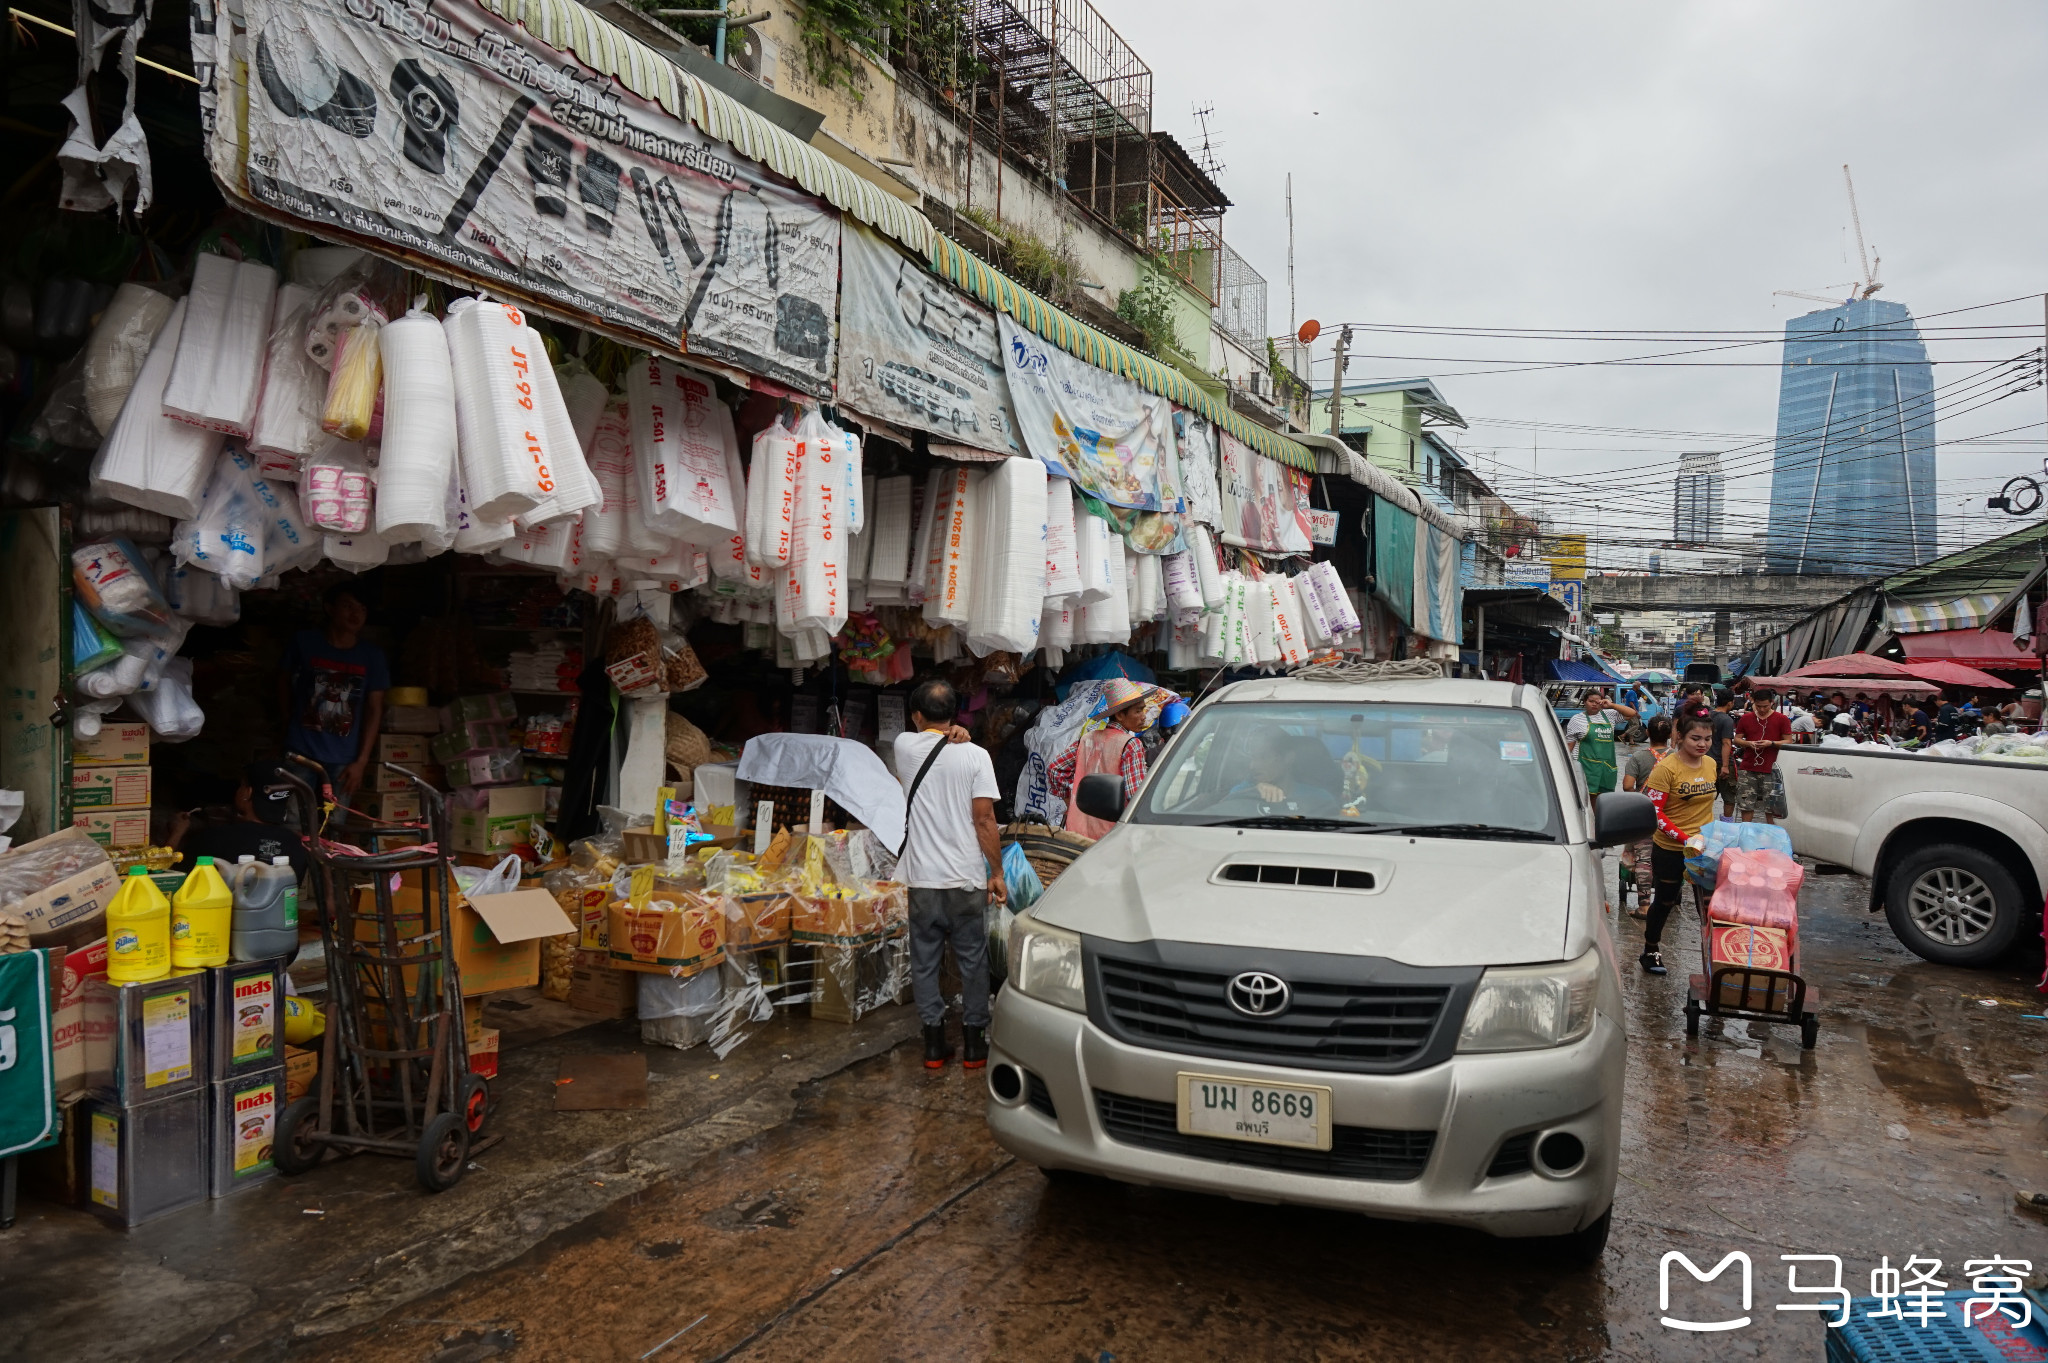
x,y
1957,674
1905,685
1852,665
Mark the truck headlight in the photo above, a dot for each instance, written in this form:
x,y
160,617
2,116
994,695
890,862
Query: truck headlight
x,y
1045,963
1529,1007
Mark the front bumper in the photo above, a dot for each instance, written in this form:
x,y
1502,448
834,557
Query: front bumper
x,y
1472,1102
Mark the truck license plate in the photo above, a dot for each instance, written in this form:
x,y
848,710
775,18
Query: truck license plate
x,y
1266,1114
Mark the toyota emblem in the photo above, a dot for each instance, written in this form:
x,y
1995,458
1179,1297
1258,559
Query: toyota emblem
x,y
1257,994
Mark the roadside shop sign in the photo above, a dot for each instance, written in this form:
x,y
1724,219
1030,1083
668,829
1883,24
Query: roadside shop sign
x,y
28,1105
1096,428
456,139
916,352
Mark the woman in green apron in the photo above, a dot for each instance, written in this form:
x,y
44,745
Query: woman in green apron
x,y
1591,737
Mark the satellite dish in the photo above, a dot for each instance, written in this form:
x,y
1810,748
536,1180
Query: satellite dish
x,y
1309,331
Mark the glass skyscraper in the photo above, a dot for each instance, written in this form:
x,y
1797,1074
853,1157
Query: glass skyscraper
x,y
1852,482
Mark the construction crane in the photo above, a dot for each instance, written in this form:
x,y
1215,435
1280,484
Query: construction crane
x,y
1858,288
1870,284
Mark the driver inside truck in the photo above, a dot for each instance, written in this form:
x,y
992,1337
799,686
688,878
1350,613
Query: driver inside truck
x,y
1285,767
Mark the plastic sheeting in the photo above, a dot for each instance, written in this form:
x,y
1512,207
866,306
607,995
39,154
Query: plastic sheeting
x,y
217,376
149,460
1010,574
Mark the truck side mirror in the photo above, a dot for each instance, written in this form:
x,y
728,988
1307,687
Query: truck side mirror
x,y
1101,796
1622,817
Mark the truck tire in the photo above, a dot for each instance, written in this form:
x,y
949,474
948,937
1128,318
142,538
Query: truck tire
x,y
1953,905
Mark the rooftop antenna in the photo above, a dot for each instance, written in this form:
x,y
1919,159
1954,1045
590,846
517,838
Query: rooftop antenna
x,y
1207,158
1290,253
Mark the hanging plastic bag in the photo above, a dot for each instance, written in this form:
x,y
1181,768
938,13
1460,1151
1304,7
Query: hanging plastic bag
x,y
168,708
91,644
1021,880
335,489
115,584
353,387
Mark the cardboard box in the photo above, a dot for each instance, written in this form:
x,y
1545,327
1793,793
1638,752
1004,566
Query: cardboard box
x,y
483,1054
411,719
593,915
72,1031
499,819
594,987
301,1069
641,846
496,937
473,1019
407,749
396,808
110,787
663,941
114,828
495,705
119,743
70,911
1758,948
381,780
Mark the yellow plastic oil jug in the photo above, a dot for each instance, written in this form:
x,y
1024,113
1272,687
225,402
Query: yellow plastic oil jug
x,y
202,918
138,930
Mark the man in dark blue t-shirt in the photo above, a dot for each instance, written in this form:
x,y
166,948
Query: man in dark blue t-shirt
x,y
335,685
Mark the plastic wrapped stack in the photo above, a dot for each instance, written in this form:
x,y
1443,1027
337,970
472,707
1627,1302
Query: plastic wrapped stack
x,y
217,374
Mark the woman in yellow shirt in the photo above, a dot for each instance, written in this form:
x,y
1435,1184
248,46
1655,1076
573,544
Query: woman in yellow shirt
x,y
1682,788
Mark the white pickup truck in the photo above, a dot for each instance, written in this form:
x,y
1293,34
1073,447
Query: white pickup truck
x,y
1956,849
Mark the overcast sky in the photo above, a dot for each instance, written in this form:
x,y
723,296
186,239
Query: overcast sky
x,y
1616,165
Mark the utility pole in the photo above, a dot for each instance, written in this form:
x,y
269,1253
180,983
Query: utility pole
x,y
1337,383
1292,327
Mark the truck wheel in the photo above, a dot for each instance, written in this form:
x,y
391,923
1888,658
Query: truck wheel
x,y
1953,905
1580,1249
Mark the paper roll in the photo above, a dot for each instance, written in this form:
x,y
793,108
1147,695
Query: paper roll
x,y
149,460
1202,549
585,397
217,376
500,445
1062,552
1009,573
1183,583
287,425
575,487
951,600
117,349
418,450
1151,588
1095,547
889,537
1315,620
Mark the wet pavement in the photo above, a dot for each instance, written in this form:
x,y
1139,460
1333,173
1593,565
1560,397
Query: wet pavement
x,y
851,1206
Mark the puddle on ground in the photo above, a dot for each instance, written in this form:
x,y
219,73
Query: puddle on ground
x,y
1913,1064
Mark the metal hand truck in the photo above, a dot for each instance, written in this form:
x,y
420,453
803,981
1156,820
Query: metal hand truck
x,y
394,1059
1752,993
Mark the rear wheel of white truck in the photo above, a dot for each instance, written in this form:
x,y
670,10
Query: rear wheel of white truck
x,y
1954,905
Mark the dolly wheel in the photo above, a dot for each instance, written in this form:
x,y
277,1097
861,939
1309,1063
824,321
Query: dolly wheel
x,y
476,1102
297,1145
1692,1017
1809,1031
444,1152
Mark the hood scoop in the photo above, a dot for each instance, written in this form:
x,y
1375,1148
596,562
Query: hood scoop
x,y
1301,877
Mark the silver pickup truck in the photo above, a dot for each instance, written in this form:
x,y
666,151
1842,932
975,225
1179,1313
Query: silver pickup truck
x,y
1956,849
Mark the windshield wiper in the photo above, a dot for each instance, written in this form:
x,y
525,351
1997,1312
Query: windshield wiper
x,y
1455,830
1281,821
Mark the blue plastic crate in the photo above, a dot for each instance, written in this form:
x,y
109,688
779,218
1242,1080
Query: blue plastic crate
x,y
1993,1339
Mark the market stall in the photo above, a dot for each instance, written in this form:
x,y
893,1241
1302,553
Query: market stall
x,y
536,470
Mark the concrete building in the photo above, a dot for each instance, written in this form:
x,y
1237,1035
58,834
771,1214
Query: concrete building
x,y
1696,499
1852,479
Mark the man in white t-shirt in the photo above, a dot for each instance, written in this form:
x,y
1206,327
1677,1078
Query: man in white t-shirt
x,y
953,864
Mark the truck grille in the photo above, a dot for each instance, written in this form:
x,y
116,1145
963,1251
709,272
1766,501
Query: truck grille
x,y
1355,1152
1326,1026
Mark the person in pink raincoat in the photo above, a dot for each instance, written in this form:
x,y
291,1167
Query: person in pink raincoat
x,y
1108,743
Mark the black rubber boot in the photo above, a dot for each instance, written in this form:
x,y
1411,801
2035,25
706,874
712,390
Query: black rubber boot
x,y
938,1050
973,1047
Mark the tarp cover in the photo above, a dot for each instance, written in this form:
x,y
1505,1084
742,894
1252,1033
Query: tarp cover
x,y
848,772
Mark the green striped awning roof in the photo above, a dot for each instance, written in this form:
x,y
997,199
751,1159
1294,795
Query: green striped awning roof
x,y
602,46
969,273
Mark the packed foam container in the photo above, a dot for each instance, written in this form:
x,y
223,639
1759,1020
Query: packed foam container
x,y
277,425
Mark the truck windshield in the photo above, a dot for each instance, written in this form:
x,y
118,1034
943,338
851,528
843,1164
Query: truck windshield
x,y
1434,770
